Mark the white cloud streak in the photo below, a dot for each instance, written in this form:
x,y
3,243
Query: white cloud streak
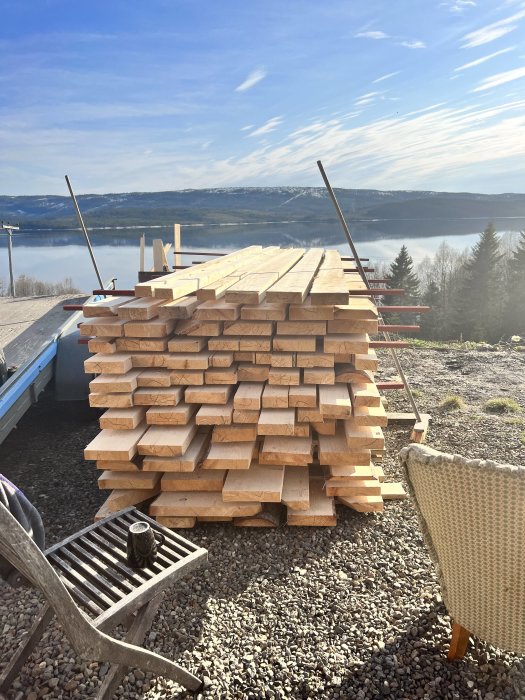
x,y
414,44
491,32
372,35
458,5
267,127
500,79
386,77
481,60
255,77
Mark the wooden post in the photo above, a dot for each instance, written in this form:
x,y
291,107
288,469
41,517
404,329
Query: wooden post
x,y
158,250
142,250
9,228
458,643
176,244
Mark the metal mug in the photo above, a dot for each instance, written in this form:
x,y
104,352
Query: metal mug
x,y
142,546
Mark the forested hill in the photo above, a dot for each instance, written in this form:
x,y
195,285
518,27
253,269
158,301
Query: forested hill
x,y
253,204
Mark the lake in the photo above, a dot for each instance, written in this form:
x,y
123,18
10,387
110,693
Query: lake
x,y
52,256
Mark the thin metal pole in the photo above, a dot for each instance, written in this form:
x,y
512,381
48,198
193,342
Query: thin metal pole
x,y
83,227
10,252
365,280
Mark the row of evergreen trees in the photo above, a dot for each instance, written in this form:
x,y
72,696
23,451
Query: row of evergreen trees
x,y
475,295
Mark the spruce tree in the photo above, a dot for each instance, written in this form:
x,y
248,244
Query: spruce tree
x,y
516,301
401,275
480,297
430,321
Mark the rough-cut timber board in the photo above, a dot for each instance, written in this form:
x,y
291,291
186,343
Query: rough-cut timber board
x,y
314,359
365,395
363,504
302,396
270,516
264,312
166,442
321,511
252,373
276,421
188,360
114,444
105,307
366,360
217,311
244,328
275,396
200,503
123,499
258,483
122,418
203,329
248,396
363,437
103,327
347,373
110,400
141,344
356,309
353,487
296,488
147,360
311,312
319,375
186,377
370,415
113,363
154,378
324,428
346,343
182,344
283,375
114,383
242,416
128,480
301,328
107,346
174,523
170,415
294,451
199,480
283,343
139,310
225,359
251,289
209,394
234,433
419,431
393,491
155,328
179,309
171,396
334,450
233,455
214,415
334,401
345,326
186,462
363,469
296,284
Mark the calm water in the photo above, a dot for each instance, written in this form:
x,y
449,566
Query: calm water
x,y
51,255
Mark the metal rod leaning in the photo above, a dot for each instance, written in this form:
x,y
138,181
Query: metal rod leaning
x,y
365,280
84,230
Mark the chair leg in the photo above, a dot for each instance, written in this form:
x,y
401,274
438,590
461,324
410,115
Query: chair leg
x,y
12,670
458,643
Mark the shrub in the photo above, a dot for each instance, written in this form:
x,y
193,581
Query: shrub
x,y
501,405
452,403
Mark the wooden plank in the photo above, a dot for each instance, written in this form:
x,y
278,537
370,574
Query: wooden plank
x,y
314,359
251,289
284,343
370,415
330,286
347,373
181,344
199,480
318,375
114,383
162,396
128,480
334,401
367,361
248,396
200,503
321,511
103,326
302,396
106,346
293,451
264,312
186,377
158,258
419,431
276,359
281,375
361,467
145,360
296,284
174,523
154,378
244,328
139,309
255,344
276,421
364,394
225,359
214,394
122,418
258,483
296,488
217,311
356,309
223,344
115,444
170,415
369,326
234,433
311,312
215,415
200,329
141,344
179,309
326,427
166,442
113,363
221,375
218,288
333,449
363,504
244,356
107,307
110,400
346,343
301,327
252,373
353,487
156,328
237,455
363,437
122,465
187,462
188,360
119,499
309,415
242,416
275,396
393,491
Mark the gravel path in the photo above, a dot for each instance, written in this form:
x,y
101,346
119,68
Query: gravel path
x,y
346,612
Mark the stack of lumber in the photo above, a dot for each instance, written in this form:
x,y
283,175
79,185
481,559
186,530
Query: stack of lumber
x,y
238,385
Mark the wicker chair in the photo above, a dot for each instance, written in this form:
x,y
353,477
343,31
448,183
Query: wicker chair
x,y
472,513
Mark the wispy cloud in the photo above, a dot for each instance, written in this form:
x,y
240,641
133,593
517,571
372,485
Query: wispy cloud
x,y
491,32
458,5
247,127
414,44
500,79
372,35
255,77
481,60
386,77
267,127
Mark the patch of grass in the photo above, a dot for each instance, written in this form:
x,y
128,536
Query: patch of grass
x,y
452,403
417,393
522,438
514,421
501,405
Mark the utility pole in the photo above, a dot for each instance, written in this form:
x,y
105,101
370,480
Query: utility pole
x,y
10,228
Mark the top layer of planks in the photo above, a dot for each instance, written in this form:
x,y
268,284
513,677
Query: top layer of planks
x,y
254,274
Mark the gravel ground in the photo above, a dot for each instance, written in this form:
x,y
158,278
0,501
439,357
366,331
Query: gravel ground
x,y
346,612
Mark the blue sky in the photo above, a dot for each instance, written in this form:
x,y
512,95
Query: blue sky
x,y
162,95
